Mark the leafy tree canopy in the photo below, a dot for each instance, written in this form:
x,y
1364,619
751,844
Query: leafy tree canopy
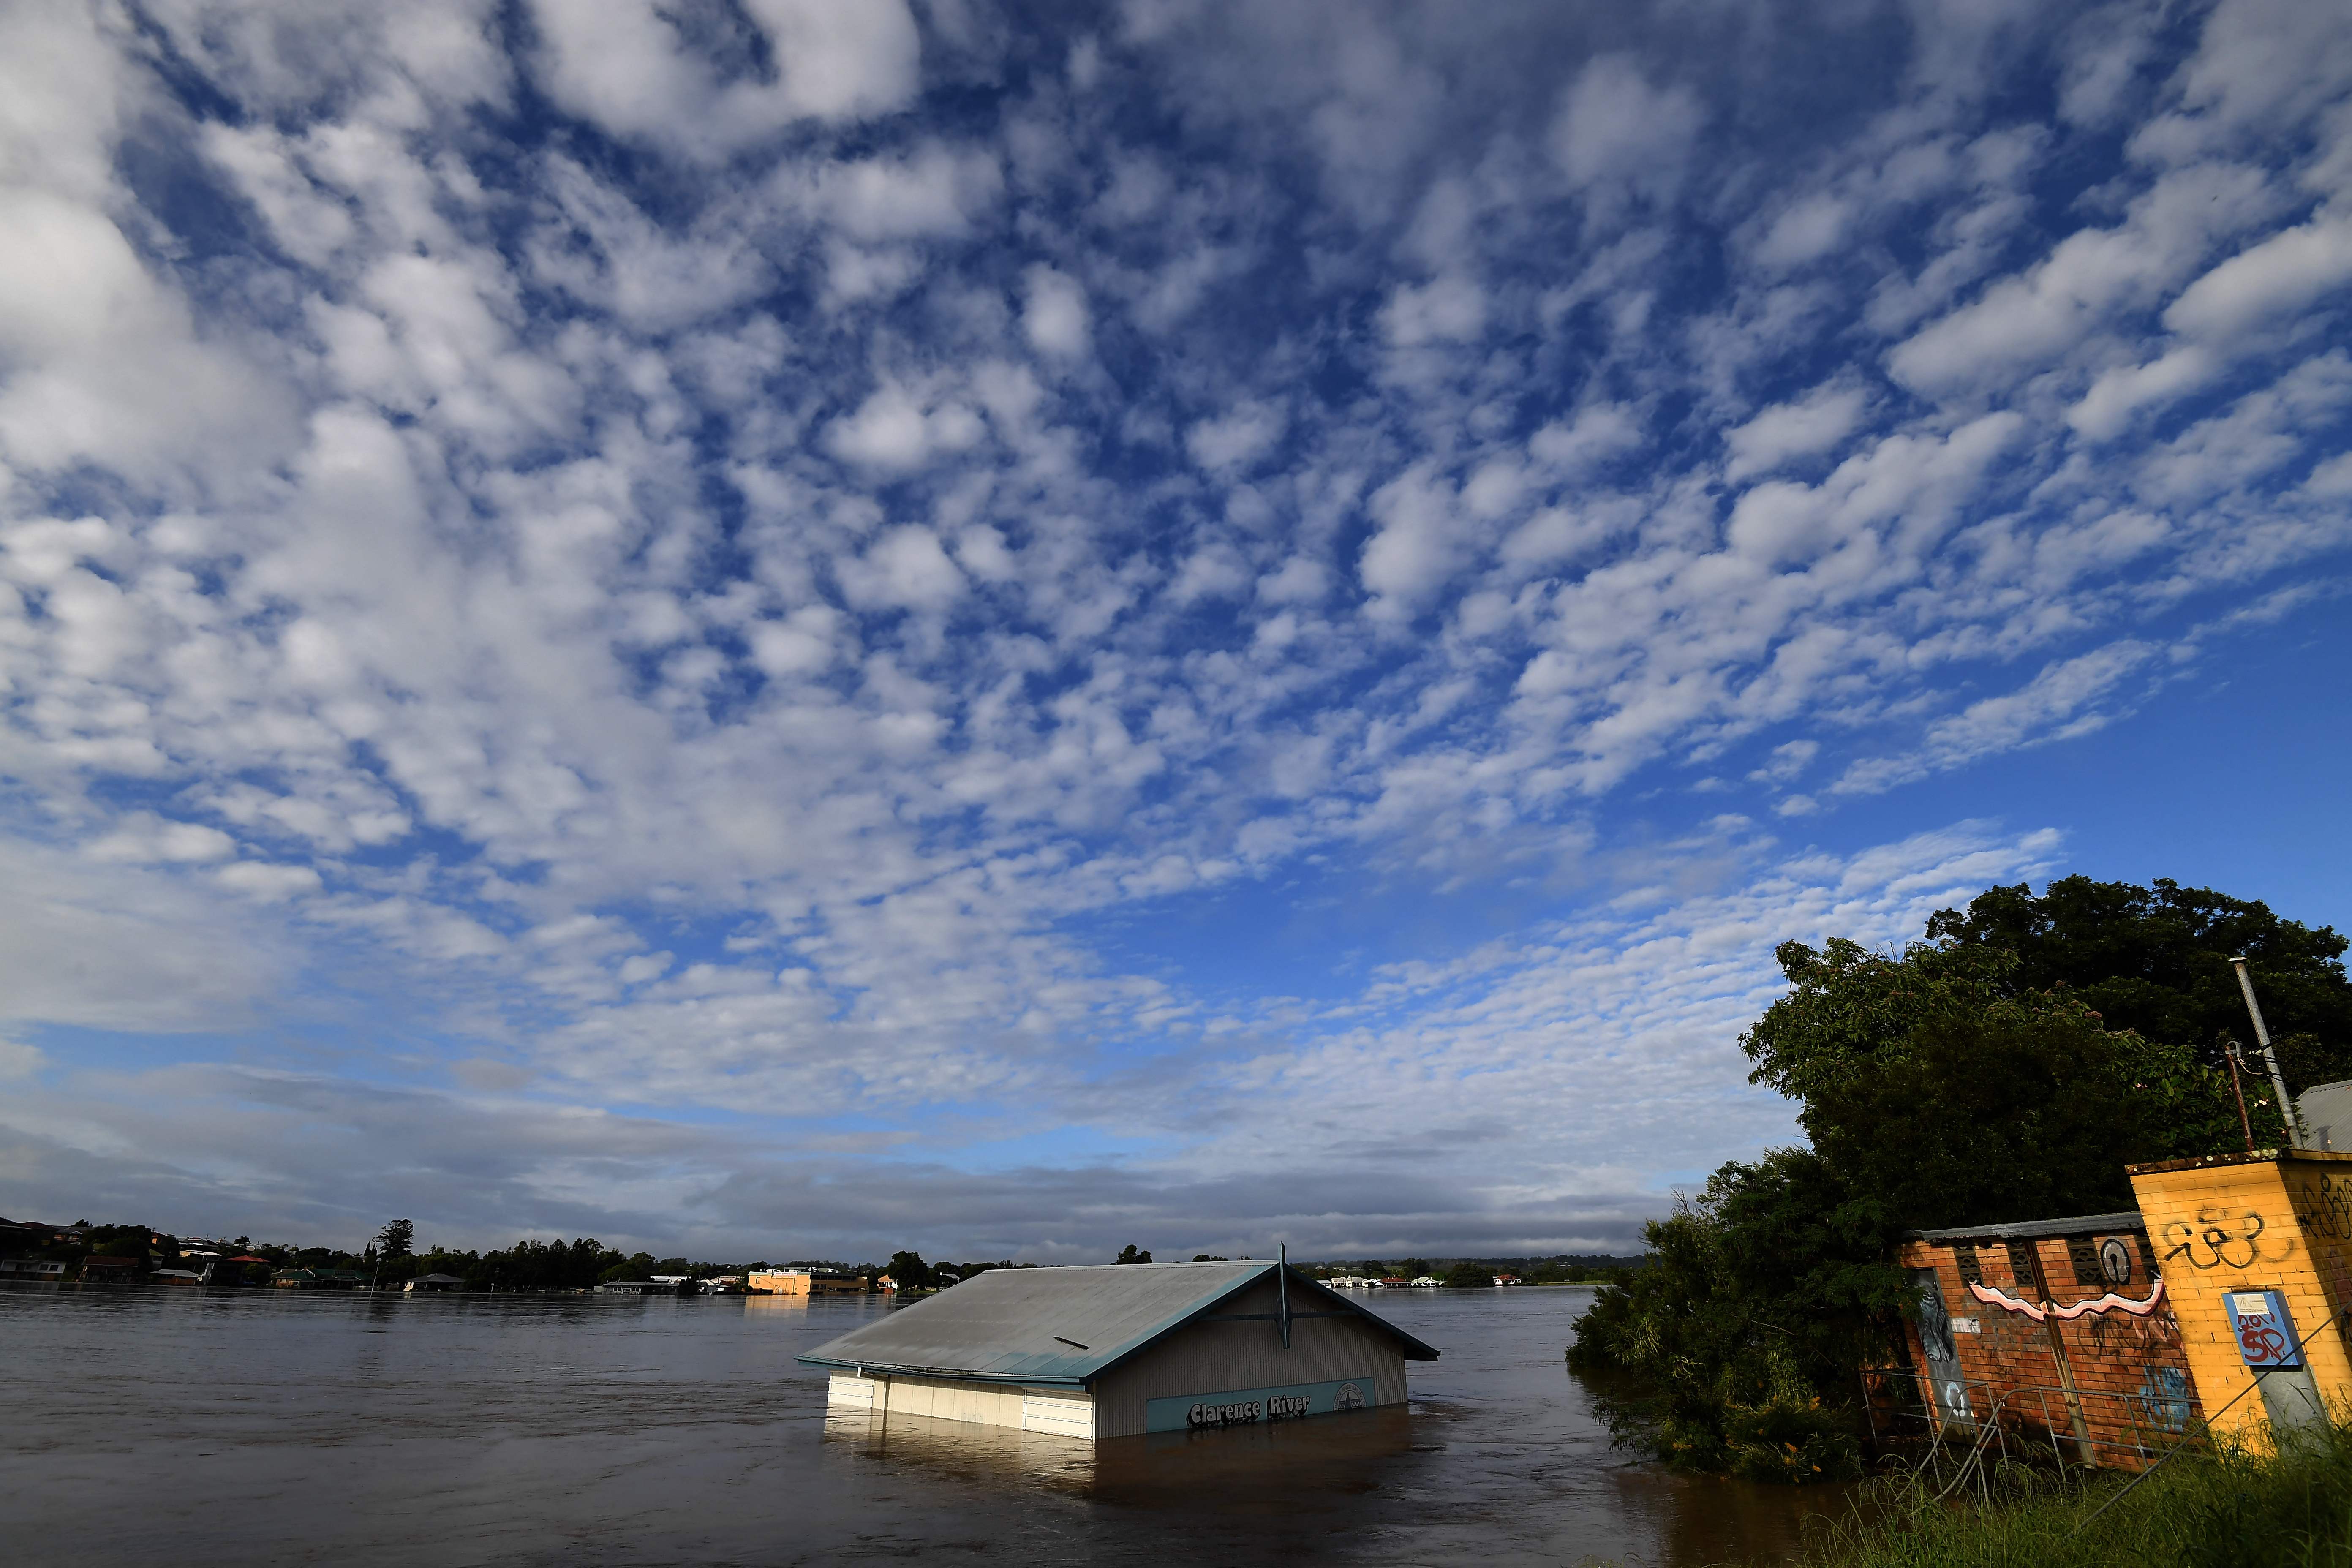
x,y
397,1239
909,1272
2155,959
1127,1254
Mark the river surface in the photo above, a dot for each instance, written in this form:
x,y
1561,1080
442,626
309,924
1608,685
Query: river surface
x,y
265,1427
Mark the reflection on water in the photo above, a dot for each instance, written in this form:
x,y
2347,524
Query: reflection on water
x,y
1247,1469
269,1426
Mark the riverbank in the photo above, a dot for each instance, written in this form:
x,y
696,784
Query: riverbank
x,y
2206,1509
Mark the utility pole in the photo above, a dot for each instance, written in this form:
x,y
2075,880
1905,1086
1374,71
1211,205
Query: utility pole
x,y
2270,1056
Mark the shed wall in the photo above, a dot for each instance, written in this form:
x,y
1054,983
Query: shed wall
x,y
2130,1372
2281,1224
1205,1358
1065,1413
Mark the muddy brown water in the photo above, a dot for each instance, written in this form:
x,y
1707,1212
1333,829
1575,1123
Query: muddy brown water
x,y
283,1427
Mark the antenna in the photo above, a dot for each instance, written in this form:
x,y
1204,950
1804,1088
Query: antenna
x,y
1282,1293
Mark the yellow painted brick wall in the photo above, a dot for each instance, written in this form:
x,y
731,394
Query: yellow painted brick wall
x,y
2252,1223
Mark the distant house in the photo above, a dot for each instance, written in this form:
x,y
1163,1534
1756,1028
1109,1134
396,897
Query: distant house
x,y
318,1279
637,1288
1395,1282
1507,1279
176,1276
805,1282
430,1282
98,1270
1427,1282
31,1269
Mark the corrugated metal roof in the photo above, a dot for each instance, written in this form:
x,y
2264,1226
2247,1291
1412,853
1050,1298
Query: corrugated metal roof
x,y
2023,1230
1066,1326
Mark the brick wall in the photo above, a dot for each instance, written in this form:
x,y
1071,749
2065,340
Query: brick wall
x,y
2131,1373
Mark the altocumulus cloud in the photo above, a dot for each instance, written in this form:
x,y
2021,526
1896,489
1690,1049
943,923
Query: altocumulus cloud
x,y
675,620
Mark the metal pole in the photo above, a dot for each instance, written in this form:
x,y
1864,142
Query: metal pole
x,y
1282,1290
2270,1056
2237,1066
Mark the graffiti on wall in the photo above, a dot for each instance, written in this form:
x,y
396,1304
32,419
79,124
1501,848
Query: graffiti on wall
x,y
2325,1206
2095,1306
2164,1396
2137,1338
2222,1237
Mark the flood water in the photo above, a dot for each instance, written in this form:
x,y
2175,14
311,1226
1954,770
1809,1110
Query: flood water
x,y
280,1426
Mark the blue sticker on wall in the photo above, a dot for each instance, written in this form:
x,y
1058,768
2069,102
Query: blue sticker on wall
x,y
2266,1331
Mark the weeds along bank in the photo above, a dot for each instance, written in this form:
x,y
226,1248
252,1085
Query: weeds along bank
x,y
2227,1508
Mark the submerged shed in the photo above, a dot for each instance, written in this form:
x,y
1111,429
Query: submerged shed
x,y
1120,1349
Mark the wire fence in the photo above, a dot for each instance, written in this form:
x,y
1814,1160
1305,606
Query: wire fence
x,y
2124,1431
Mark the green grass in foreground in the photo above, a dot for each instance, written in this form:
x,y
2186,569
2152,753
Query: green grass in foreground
x,y
2204,1509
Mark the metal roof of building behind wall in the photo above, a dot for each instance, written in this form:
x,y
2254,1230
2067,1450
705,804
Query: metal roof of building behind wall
x,y
2029,1229
1067,1326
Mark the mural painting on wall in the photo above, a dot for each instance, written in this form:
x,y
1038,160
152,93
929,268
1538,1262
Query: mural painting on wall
x,y
2096,1306
1947,1384
2165,1398
2120,1320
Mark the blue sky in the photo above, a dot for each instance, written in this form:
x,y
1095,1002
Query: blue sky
x,y
770,627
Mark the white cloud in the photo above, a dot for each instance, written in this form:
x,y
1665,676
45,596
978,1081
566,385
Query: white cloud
x,y
1616,132
1055,317
630,67
1237,439
1447,310
1812,424
895,428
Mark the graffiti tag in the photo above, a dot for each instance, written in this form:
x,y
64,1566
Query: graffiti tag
x,y
2164,1395
2220,1239
2261,1343
2325,1207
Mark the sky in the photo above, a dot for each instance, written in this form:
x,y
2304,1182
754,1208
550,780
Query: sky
x,y
780,628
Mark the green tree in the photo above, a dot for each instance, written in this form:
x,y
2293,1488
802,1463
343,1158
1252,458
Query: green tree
x,y
1466,1274
637,1266
2019,1114
397,1239
1759,1297
909,1272
2155,959
1127,1254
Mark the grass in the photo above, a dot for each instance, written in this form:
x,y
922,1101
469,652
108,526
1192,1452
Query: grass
x,y
2225,1509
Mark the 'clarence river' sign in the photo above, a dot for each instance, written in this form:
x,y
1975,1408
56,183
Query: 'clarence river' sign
x,y
1239,1407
